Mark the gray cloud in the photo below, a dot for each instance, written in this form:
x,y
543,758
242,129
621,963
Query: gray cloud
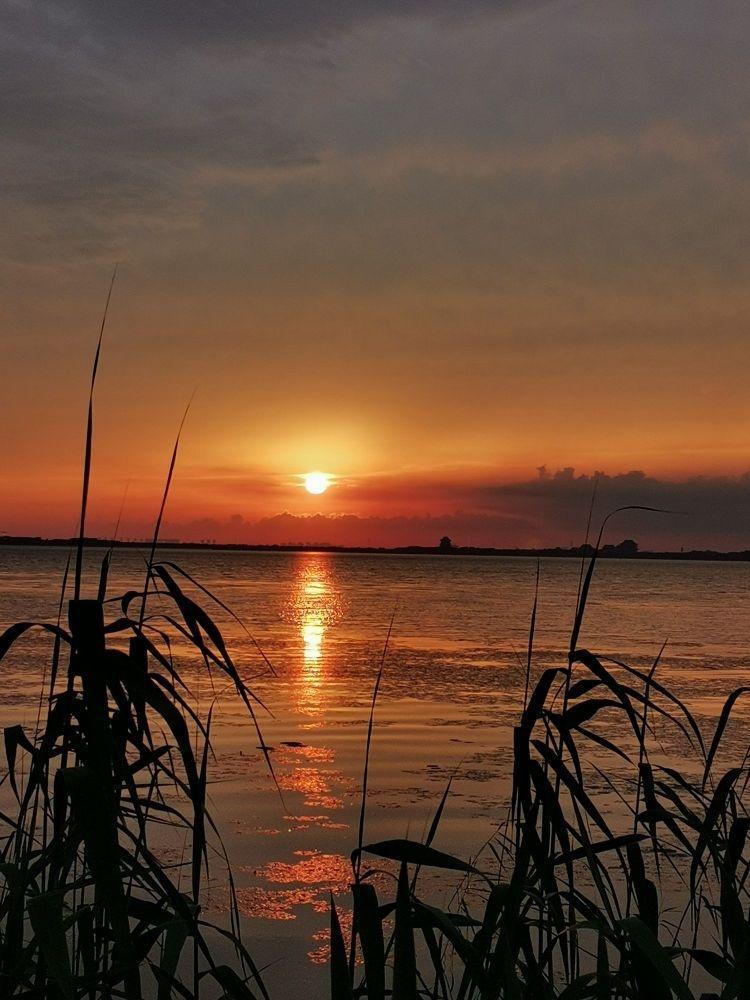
x,y
234,23
703,512
419,131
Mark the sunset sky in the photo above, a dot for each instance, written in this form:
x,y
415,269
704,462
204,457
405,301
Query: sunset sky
x,y
446,252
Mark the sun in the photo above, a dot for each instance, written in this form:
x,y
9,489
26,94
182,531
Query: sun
x,y
317,482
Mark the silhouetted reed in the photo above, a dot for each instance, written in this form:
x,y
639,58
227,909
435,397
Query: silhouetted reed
x,y
117,768
115,775
573,903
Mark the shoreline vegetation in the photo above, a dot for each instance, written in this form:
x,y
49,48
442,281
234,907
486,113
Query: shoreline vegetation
x,y
621,551
612,875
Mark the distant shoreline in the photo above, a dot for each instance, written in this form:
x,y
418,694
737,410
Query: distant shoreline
x,y
694,555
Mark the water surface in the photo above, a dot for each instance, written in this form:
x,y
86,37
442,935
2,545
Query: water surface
x,y
452,688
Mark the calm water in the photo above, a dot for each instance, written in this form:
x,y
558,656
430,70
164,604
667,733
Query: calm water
x,y
452,688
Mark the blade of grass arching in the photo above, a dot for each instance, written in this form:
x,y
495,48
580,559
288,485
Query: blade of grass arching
x,y
368,745
720,727
14,632
587,536
413,852
226,608
89,442
157,526
197,620
584,590
357,865
594,665
666,693
432,832
530,648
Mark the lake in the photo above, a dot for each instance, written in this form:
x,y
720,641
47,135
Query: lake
x,y
453,683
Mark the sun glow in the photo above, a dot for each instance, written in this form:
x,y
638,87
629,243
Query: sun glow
x,y
317,482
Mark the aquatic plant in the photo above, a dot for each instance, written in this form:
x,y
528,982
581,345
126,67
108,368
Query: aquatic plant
x,y
106,846
109,792
577,899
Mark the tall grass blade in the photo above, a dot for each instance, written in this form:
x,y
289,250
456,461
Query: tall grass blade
x,y
368,746
89,443
160,516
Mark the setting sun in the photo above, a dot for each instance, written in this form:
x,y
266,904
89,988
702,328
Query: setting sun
x,y
317,482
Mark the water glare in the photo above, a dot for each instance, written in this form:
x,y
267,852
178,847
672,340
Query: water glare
x,y
314,607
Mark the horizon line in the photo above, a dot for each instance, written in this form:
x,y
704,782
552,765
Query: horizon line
x,y
608,551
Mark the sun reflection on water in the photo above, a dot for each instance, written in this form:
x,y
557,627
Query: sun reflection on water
x,y
312,636
314,607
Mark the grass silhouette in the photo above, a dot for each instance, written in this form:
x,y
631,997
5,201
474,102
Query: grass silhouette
x,y
116,768
574,906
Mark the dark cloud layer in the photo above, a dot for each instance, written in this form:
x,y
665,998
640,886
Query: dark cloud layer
x,y
552,509
242,21
122,120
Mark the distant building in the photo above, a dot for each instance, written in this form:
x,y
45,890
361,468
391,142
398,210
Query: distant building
x,y
446,545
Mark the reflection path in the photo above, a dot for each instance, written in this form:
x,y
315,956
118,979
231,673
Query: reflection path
x,y
314,607
296,881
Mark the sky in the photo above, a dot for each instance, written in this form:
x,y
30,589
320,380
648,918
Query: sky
x,y
462,256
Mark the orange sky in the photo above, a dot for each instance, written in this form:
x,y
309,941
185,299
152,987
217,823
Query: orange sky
x,y
424,251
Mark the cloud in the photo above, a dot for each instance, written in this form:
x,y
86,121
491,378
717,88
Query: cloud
x,y
193,22
428,133
550,509
699,512
489,231
105,149
349,529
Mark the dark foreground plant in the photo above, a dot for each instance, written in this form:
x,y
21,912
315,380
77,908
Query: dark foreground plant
x,y
113,780
619,872
108,839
